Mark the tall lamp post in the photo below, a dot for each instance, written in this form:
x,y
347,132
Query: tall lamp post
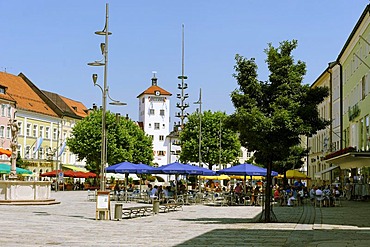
x,y
104,89
199,102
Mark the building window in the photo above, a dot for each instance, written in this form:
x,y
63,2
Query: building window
x,y
2,129
8,132
151,136
161,138
55,134
47,132
28,130
34,153
161,112
41,131
163,126
161,153
2,90
143,100
3,110
20,130
41,153
35,130
151,111
150,125
27,152
156,126
9,111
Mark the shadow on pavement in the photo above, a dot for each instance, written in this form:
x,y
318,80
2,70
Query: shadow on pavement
x,y
245,237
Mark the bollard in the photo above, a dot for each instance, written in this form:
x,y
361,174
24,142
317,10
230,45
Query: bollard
x,y
155,206
118,211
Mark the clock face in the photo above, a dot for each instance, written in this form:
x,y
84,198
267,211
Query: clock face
x,y
157,93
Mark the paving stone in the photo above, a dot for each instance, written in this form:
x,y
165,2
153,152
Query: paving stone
x,y
72,223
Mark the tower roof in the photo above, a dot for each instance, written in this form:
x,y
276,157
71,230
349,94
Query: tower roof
x,y
154,88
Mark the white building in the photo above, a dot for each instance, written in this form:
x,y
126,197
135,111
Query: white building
x,y
154,118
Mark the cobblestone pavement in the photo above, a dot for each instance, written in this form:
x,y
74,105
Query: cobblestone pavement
x,y
72,223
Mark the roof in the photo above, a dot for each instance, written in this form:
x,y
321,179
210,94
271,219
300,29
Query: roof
x,y
66,106
362,17
23,92
152,89
6,96
77,107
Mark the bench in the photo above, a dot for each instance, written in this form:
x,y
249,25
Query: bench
x,y
137,211
167,207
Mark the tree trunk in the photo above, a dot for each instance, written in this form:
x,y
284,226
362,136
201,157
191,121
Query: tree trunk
x,y
268,194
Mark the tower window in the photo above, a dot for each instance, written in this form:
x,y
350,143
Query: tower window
x,y
156,126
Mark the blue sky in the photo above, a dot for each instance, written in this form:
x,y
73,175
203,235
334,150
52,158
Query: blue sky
x,y
51,42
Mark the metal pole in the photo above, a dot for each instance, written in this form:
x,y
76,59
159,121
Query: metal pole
x,y
105,89
219,157
200,127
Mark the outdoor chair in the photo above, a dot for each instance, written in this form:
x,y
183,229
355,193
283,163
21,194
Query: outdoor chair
x,y
337,201
319,200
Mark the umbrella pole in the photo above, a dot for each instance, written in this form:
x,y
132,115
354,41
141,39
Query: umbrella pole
x,y
176,180
245,184
126,178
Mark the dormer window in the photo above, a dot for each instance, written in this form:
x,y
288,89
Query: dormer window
x,y
2,90
74,108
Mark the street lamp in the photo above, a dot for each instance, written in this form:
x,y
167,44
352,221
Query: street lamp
x,y
104,89
199,102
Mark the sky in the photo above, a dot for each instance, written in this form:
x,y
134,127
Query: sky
x,y
51,42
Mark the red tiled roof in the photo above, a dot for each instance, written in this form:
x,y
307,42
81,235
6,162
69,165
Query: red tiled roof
x,y
25,97
5,96
77,107
151,90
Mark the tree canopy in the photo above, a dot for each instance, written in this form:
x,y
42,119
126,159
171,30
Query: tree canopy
x,y
126,141
214,134
271,115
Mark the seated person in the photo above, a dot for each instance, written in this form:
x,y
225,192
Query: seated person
x,y
292,196
238,192
154,192
277,195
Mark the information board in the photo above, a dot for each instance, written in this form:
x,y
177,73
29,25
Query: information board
x,y
102,200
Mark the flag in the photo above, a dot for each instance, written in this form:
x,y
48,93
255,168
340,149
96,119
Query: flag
x,y
63,146
38,144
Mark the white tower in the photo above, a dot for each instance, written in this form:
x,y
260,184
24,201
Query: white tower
x,y
154,118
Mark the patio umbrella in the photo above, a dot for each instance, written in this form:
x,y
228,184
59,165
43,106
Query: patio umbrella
x,y
6,152
5,169
180,169
246,170
75,168
294,174
127,168
216,177
54,173
79,174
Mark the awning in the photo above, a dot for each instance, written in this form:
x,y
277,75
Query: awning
x,y
74,168
351,160
318,174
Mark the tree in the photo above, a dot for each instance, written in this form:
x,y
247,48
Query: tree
x,y
126,141
293,161
211,152
270,116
